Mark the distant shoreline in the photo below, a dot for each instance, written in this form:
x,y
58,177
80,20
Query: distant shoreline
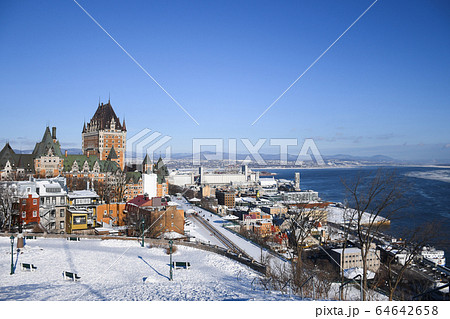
x,y
353,166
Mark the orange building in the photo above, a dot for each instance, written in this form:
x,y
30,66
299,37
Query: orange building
x,y
29,208
165,219
112,214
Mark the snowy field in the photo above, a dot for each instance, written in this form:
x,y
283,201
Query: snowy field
x,y
122,270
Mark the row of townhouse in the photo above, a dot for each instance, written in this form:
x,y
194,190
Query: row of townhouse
x,y
47,203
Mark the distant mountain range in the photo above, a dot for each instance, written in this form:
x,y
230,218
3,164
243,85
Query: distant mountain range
x,y
72,151
375,159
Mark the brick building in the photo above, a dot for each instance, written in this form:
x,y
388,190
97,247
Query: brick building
x,y
226,198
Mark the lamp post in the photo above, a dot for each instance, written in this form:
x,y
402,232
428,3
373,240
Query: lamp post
x,y
170,250
12,254
142,225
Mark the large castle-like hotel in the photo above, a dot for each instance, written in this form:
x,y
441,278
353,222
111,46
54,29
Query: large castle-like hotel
x,y
102,159
104,136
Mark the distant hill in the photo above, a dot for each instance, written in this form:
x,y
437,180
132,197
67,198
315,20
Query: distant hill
x,y
73,151
374,158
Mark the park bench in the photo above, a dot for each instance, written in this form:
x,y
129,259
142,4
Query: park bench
x,y
181,264
73,238
27,267
30,237
71,276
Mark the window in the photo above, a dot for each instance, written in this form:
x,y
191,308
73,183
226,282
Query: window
x,y
24,201
61,225
61,212
34,201
34,213
77,220
24,214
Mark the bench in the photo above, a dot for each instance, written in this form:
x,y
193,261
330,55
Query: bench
x,y
181,264
71,276
73,238
27,267
30,237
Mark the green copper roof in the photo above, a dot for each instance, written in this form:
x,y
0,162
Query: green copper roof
x,y
45,144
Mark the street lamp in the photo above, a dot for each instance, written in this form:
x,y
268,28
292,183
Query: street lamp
x,y
142,225
170,250
12,254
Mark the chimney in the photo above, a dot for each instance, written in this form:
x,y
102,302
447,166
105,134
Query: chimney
x,y
54,133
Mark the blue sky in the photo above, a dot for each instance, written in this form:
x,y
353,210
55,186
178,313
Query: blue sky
x,y
384,88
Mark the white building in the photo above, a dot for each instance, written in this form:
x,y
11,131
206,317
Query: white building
x,y
150,184
352,258
53,205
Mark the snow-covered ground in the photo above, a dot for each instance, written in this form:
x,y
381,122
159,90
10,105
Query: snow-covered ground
x,y
122,270
339,215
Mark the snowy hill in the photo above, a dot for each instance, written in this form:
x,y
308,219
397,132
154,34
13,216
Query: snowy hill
x,y
122,270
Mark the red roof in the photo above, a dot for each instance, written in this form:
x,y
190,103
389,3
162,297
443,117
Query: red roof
x,y
140,201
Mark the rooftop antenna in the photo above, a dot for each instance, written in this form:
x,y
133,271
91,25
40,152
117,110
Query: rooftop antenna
x,y
109,97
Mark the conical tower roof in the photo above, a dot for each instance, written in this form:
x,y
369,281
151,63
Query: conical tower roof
x,y
112,154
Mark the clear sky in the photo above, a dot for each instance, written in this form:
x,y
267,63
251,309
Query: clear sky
x,y
383,88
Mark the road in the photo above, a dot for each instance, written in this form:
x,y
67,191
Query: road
x,y
214,224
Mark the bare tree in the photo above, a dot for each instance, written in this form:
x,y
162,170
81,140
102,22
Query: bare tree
x,y
349,216
105,188
406,252
375,200
302,222
8,199
119,187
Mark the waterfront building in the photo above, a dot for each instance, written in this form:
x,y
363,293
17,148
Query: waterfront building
x,y
300,197
351,258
